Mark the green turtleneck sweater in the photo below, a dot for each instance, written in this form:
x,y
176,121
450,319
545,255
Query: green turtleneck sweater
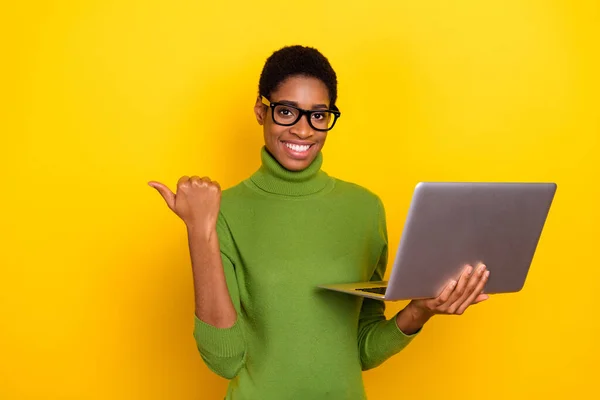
x,y
282,234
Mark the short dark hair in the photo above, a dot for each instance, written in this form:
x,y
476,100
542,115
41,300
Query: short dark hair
x,y
293,61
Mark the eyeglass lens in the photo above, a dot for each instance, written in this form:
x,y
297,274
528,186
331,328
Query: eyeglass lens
x,y
287,115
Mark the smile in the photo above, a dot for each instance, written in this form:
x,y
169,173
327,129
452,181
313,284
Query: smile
x,y
300,148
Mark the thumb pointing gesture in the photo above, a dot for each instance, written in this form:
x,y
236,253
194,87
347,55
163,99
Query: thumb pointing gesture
x,y
196,201
165,192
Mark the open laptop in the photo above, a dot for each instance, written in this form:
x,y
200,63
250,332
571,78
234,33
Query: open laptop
x,y
451,224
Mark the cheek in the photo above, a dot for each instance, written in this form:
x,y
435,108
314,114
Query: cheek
x,y
273,131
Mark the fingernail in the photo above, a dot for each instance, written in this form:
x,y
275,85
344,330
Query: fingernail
x,y
469,270
481,267
487,273
452,283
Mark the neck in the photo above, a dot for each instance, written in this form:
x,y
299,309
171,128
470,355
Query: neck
x,y
274,178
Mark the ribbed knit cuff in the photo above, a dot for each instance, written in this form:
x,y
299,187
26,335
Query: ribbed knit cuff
x,y
221,342
393,334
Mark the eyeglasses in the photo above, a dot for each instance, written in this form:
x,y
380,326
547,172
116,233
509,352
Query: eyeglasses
x,y
287,115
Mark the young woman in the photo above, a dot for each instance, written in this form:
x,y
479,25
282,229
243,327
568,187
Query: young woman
x,y
260,248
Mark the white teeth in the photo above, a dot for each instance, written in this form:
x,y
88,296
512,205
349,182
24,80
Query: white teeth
x,y
297,147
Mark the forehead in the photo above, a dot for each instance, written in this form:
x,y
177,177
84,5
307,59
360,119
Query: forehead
x,y
306,91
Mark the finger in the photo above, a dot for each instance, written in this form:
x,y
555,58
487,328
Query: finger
x,y
165,192
462,284
200,181
468,290
475,294
446,293
207,181
183,182
210,183
481,297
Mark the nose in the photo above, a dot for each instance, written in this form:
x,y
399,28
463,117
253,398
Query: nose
x,y
301,128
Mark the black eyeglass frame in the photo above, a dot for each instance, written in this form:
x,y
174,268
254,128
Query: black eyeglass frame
x,y
301,112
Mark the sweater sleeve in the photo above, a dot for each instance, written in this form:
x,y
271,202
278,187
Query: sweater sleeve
x,y
379,338
223,349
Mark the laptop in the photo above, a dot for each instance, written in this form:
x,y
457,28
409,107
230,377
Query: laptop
x,y
451,224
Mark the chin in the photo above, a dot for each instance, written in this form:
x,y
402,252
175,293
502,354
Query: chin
x,y
294,160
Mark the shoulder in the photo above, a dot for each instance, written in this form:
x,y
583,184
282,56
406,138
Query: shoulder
x,y
231,199
235,195
357,193
367,201
232,192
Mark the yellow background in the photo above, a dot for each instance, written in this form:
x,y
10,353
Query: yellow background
x,y
99,97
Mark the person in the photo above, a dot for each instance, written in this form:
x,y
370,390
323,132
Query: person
x,y
260,249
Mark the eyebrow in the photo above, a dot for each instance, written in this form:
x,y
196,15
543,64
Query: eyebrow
x,y
295,104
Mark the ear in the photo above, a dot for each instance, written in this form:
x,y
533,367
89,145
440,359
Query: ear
x,y
260,110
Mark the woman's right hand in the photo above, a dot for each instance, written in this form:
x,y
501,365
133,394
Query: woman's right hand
x,y
197,202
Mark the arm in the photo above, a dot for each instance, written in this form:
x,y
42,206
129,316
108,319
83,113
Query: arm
x,y
411,319
378,337
213,304
217,330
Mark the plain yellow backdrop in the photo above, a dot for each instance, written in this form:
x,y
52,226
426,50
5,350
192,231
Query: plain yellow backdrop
x,y
99,97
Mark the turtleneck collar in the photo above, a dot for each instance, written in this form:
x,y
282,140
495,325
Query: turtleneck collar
x,y
273,178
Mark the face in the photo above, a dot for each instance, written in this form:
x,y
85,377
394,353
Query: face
x,y
288,143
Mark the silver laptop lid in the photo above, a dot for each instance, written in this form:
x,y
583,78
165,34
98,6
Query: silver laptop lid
x,y
450,224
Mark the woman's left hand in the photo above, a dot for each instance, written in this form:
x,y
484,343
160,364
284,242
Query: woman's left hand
x,y
457,296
